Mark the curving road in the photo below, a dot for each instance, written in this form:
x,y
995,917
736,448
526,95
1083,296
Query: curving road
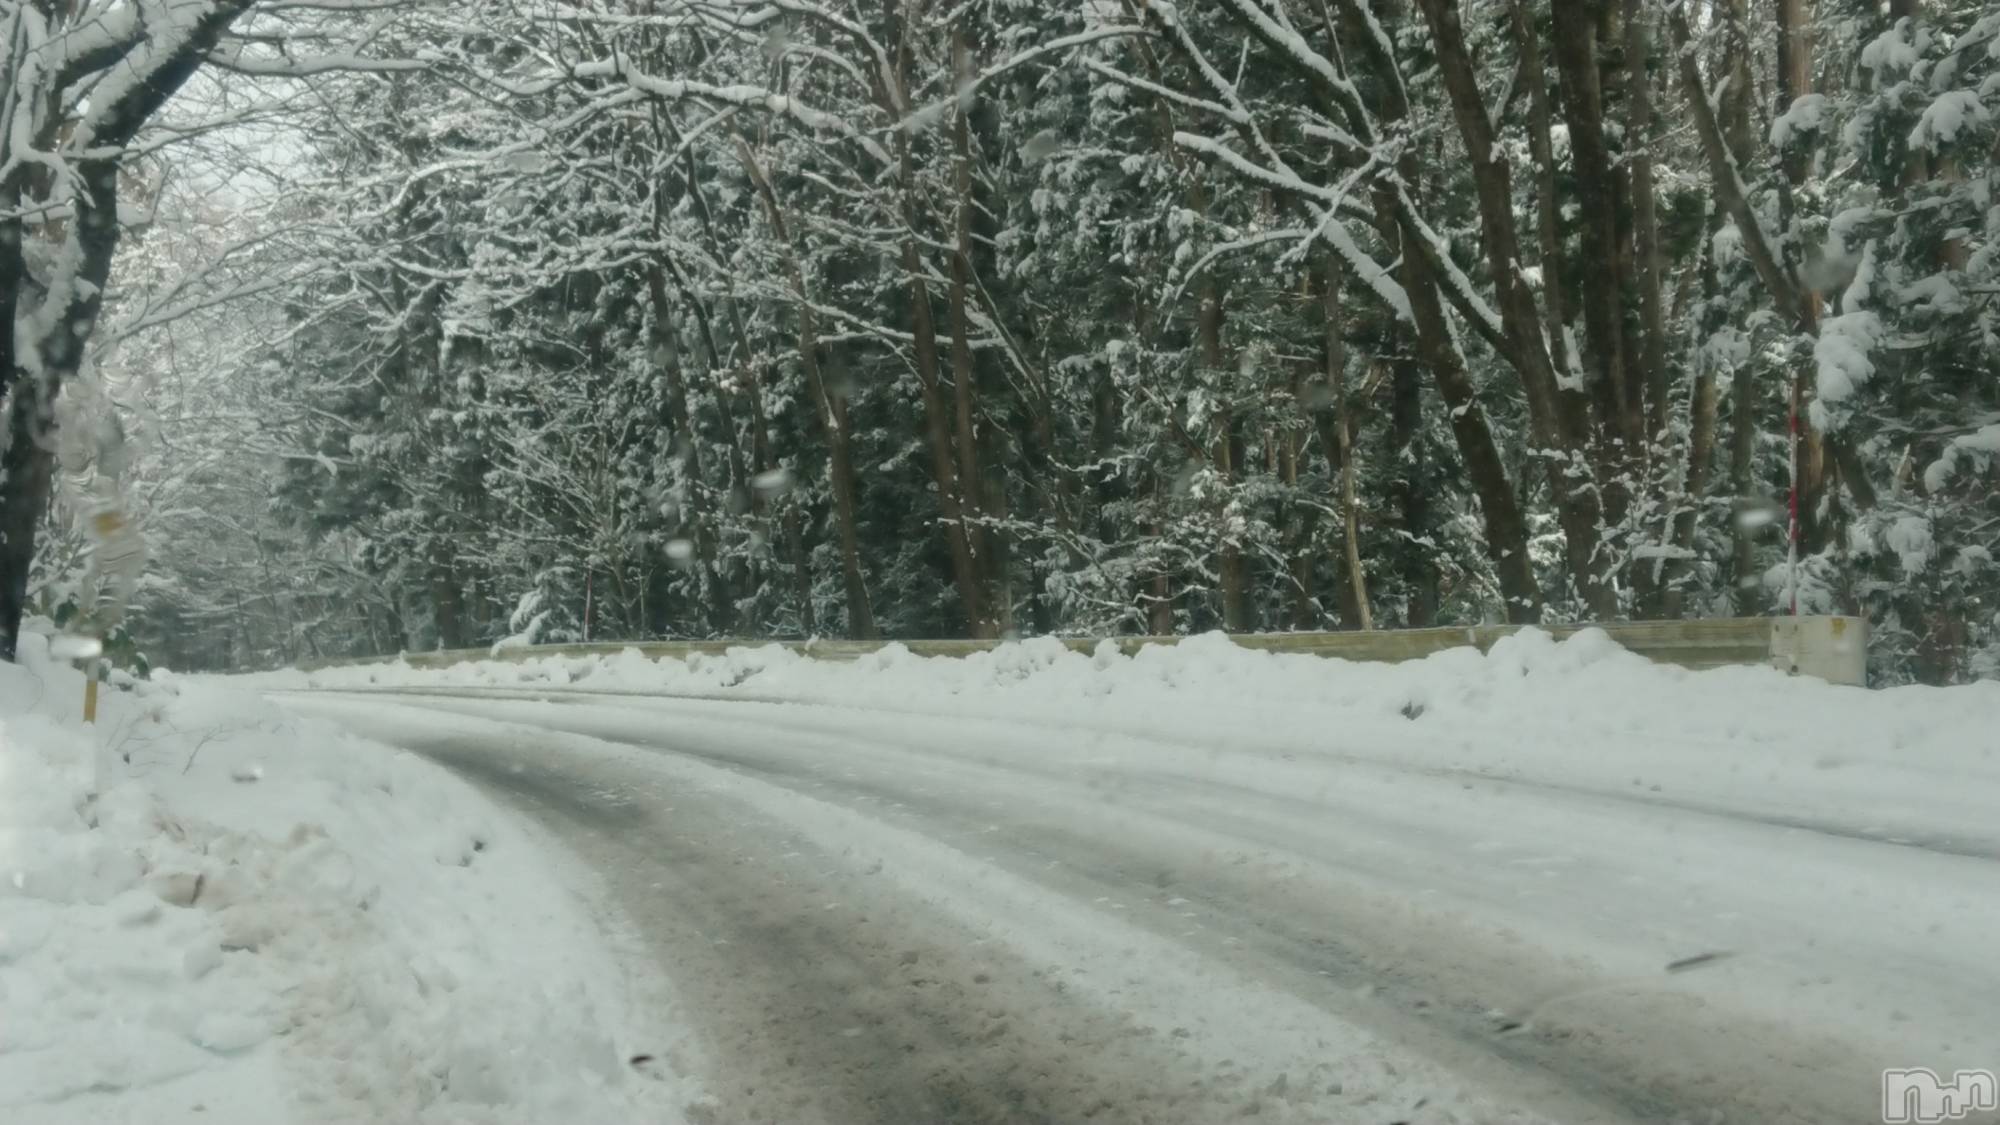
x,y
898,916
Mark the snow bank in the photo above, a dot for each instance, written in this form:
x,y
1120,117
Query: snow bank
x,y
1521,676
213,911
1581,712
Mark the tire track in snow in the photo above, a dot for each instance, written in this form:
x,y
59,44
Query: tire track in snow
x,y
1705,1070
828,999
1652,1048
1664,1059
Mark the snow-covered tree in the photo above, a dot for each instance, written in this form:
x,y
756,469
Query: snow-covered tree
x,y
779,317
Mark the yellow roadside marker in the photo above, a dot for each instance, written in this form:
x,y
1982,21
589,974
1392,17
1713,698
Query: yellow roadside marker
x,y
117,554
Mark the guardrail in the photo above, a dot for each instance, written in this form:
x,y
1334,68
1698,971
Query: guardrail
x,y
1831,648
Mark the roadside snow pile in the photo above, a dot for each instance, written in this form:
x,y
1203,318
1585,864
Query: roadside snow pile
x,y
213,911
1581,713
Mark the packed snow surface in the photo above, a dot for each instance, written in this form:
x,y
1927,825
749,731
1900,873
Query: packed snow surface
x,y
1549,882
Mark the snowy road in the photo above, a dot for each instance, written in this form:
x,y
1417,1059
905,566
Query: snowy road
x,y
895,913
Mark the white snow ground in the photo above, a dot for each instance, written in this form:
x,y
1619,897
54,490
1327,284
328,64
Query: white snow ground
x,y
1554,880
1723,889
214,911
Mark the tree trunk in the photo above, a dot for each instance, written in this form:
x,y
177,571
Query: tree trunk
x,y
1794,70
1730,191
1160,610
1231,568
1499,508
1300,563
447,608
894,93
1645,217
1357,578
666,356
737,573
1702,427
1747,594
1778,281
1649,358
1619,393
832,413
26,468
1500,512
1574,49
979,616
1737,141
1735,100
1047,481
1548,228
1556,419
795,542
860,612
1809,452
1411,498
27,464
1564,418
1343,452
